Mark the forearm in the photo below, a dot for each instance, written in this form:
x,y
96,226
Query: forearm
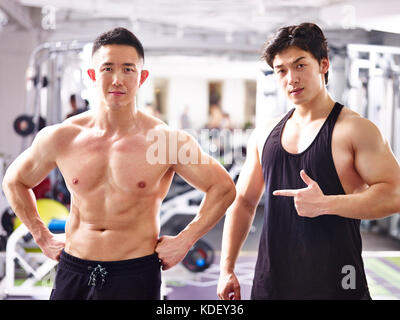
x,y
238,221
377,201
213,207
23,202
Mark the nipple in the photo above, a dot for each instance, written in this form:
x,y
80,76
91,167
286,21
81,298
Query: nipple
x,y
75,181
141,184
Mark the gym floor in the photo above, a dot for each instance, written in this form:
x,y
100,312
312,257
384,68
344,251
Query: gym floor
x,y
381,255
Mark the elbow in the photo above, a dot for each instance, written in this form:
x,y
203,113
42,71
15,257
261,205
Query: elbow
x,y
397,200
9,183
6,183
247,205
228,189
232,194
394,205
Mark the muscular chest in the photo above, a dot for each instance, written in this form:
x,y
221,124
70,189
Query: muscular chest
x,y
92,163
296,140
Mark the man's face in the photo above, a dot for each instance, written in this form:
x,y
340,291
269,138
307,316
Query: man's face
x,y
118,73
299,74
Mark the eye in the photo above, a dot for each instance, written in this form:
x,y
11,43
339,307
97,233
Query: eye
x,y
300,66
107,69
129,70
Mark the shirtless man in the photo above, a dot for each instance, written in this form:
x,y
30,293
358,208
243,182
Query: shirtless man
x,y
323,168
112,248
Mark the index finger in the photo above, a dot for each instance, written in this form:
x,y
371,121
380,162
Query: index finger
x,y
285,193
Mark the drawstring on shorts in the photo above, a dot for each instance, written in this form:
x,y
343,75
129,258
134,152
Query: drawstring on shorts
x,y
97,272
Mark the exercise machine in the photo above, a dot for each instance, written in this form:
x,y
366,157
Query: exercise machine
x,y
373,90
37,272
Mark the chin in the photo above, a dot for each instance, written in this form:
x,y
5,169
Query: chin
x,y
299,100
296,100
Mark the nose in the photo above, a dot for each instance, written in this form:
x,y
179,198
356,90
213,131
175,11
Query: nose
x,y
117,79
293,78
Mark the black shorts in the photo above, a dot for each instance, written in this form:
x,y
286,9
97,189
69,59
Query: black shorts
x,y
135,279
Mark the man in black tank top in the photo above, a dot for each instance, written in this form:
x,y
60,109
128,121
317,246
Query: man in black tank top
x,y
323,169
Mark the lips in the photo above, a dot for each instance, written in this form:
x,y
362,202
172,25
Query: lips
x,y
296,91
116,93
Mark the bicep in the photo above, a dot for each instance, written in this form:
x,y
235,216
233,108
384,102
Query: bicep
x,y
374,160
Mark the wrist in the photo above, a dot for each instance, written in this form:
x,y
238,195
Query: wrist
x,y
327,204
41,235
226,269
226,266
186,239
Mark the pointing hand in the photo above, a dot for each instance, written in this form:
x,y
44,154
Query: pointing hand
x,y
308,201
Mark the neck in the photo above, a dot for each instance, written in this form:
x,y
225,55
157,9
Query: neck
x,y
316,108
116,121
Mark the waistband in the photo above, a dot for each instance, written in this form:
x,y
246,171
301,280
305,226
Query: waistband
x,y
145,263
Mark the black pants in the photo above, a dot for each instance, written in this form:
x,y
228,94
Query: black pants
x,y
135,279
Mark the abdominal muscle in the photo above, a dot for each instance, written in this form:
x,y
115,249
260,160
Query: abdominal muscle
x,y
112,236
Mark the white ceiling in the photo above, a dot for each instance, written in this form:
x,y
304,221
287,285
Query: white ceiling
x,y
215,24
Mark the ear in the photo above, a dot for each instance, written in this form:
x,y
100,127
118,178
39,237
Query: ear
x,y
92,74
324,65
143,76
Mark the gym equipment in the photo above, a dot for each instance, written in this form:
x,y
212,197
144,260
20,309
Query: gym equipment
x,y
47,66
35,264
49,210
8,220
394,229
60,191
199,257
373,69
184,200
268,94
179,205
43,189
7,227
23,125
17,256
178,208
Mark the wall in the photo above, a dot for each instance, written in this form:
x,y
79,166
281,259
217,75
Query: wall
x,y
15,50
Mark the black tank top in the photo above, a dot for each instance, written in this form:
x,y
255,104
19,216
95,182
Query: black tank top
x,y
299,257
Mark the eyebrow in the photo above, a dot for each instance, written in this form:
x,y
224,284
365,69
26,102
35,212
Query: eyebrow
x,y
126,64
295,61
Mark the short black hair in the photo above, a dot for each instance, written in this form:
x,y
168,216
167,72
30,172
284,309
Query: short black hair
x,y
120,36
306,36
